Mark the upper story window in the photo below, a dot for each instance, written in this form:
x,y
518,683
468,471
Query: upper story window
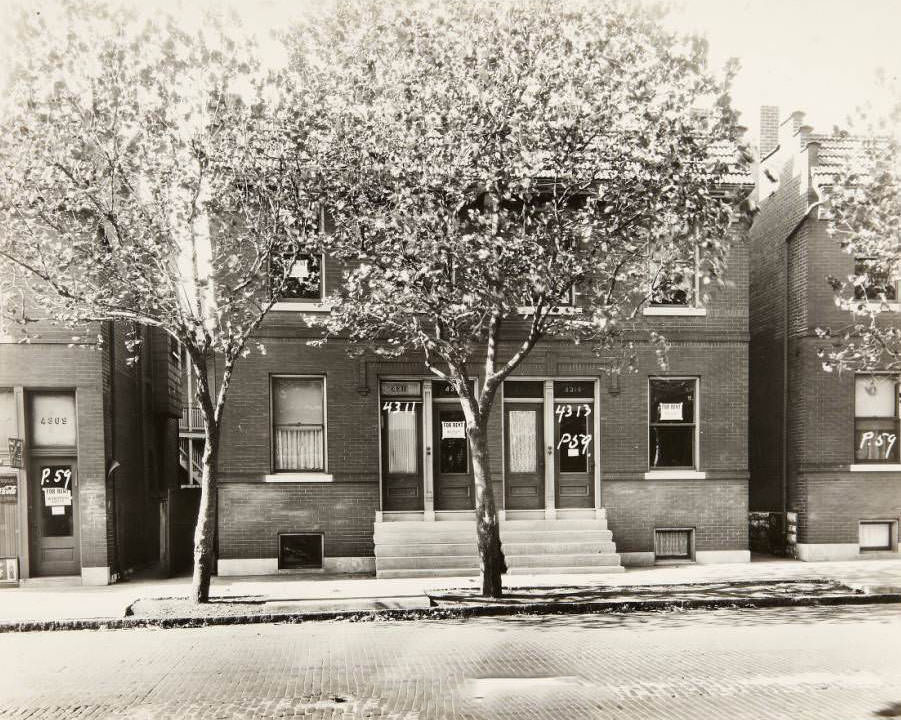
x,y
298,423
672,423
878,287
672,282
306,280
876,419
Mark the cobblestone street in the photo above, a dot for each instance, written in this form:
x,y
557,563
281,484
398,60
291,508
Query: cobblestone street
x,y
837,663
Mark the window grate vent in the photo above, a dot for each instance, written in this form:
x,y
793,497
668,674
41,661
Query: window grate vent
x,y
672,543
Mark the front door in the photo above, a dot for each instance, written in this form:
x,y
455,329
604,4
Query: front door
x,y
574,454
402,455
453,469
54,516
523,456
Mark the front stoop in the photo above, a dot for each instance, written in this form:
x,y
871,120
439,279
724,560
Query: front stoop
x,y
532,547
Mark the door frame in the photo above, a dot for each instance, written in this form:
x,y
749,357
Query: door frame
x,y
58,456
591,460
541,460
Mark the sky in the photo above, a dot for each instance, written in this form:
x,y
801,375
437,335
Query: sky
x,y
818,56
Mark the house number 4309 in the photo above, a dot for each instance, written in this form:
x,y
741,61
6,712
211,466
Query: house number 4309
x,y
54,420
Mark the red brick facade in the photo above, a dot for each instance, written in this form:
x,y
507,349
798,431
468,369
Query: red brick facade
x,y
802,418
255,507
125,449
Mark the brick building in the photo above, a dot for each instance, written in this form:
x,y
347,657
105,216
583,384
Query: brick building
x,y
824,461
92,491
360,464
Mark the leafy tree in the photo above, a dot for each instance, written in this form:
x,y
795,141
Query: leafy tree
x,y
486,160
144,178
864,210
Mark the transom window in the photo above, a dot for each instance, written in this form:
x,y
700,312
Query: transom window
x,y
876,419
672,423
298,423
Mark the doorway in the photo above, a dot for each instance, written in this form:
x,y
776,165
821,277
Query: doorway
x,y
401,455
53,499
523,456
453,466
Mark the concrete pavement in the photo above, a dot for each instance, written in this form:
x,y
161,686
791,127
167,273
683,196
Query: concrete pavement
x,y
812,663
50,600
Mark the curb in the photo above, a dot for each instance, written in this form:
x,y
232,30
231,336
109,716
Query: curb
x,y
453,612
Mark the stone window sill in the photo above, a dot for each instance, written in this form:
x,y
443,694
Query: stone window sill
x,y
561,310
675,475
875,467
299,477
675,310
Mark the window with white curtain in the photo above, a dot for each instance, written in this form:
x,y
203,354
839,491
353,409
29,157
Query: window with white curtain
x,y
298,423
402,442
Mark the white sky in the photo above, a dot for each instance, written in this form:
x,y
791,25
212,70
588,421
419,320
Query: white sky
x,y
819,56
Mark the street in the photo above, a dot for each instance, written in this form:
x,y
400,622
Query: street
x,y
826,663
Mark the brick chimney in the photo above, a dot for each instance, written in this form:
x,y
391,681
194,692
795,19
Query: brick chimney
x,y
769,129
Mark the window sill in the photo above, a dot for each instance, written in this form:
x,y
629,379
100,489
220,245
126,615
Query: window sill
x,y
299,477
883,307
675,475
671,310
561,310
302,306
875,467
192,485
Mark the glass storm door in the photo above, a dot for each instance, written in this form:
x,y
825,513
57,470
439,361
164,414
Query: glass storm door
x,y
453,469
574,454
523,456
401,455
54,523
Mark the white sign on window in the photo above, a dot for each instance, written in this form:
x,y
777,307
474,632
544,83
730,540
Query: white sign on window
x,y
453,429
671,411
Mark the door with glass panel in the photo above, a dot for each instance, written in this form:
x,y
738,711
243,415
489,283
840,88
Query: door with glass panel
x,y
574,443
54,505
401,455
453,468
523,456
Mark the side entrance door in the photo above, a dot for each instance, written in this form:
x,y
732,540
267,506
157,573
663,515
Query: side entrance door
x,y
453,469
574,454
524,456
53,512
402,455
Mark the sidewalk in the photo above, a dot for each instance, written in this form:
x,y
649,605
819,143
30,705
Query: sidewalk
x,y
48,600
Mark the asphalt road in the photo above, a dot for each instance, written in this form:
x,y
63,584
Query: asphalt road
x,y
823,663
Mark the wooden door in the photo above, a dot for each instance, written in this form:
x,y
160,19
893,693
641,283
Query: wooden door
x,y
453,467
54,516
402,455
524,456
574,454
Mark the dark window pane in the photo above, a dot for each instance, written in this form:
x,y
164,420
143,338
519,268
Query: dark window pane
x,y
305,282
672,401
302,550
670,447
877,285
524,389
672,290
876,440
453,452
574,443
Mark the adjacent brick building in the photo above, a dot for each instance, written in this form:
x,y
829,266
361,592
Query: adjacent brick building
x,y
359,464
88,454
825,472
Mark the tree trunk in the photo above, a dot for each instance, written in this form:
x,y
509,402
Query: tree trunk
x,y
205,530
491,554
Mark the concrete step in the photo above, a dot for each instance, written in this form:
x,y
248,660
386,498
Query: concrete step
x,y
430,572
562,560
451,525
417,562
510,548
433,535
581,570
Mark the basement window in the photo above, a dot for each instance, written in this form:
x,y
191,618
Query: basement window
x,y
299,551
673,543
876,535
